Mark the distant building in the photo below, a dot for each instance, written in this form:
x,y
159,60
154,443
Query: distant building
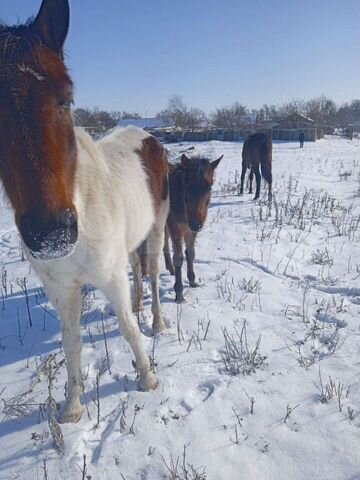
x,y
145,123
354,127
290,128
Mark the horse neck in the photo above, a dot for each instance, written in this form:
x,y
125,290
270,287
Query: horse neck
x,y
177,194
91,172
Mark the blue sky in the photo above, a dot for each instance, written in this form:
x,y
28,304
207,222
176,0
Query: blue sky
x,y
134,54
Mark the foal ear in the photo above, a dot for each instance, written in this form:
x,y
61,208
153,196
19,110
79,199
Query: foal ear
x,y
185,161
215,163
52,23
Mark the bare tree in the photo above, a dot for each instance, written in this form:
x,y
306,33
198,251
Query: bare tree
x,y
348,113
267,112
295,105
195,118
97,121
175,112
322,110
229,117
129,115
180,115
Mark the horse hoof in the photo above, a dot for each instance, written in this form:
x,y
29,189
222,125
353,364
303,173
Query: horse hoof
x,y
70,415
137,308
194,285
159,326
180,299
148,382
256,198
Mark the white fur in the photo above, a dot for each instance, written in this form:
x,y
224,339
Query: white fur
x,y
26,69
115,214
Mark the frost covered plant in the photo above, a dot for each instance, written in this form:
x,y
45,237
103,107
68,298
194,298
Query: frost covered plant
x,y
237,356
250,285
321,257
181,469
332,389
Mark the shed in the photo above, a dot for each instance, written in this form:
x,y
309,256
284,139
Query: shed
x,y
290,128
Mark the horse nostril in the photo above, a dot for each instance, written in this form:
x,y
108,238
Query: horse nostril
x,y
196,226
53,237
67,218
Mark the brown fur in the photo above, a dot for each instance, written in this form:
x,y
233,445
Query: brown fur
x,y
190,185
257,151
37,142
155,163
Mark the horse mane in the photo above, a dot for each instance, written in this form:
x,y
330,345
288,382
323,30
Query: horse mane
x,y
177,191
18,40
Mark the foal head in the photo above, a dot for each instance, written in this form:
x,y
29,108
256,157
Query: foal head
x,y
37,141
196,177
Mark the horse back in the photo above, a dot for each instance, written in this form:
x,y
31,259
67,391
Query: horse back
x,y
257,148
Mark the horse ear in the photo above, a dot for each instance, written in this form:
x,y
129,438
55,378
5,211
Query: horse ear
x,y
52,23
215,163
185,161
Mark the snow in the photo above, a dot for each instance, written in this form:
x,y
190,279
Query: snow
x,y
291,274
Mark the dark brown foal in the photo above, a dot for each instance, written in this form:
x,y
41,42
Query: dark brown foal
x,y
190,183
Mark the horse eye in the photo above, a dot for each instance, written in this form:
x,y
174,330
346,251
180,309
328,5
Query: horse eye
x,y
66,104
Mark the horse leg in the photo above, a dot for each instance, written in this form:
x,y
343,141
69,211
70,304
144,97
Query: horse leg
x,y
67,302
155,246
251,177
178,257
243,173
118,293
138,293
258,181
270,192
168,261
190,256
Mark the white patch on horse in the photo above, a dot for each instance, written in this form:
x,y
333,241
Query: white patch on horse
x,y
26,69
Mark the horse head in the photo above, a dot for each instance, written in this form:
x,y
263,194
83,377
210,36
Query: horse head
x,y
198,180
37,140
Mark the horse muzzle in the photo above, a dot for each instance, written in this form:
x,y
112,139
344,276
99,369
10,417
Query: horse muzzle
x,y
195,226
50,239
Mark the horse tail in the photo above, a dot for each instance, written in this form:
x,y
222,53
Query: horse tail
x,y
266,159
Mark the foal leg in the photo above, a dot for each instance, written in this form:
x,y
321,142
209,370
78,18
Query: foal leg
x,y
258,181
138,293
177,242
270,192
251,177
190,256
168,261
243,172
68,305
118,293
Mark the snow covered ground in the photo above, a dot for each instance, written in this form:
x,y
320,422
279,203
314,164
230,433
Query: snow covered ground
x,y
259,370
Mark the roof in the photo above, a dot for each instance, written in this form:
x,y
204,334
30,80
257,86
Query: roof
x,y
144,123
296,120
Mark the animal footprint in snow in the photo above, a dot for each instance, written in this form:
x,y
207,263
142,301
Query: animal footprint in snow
x,y
195,398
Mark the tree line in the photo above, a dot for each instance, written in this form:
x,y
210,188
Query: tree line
x,y
322,110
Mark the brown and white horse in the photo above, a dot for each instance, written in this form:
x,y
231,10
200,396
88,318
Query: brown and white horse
x,y
81,207
190,183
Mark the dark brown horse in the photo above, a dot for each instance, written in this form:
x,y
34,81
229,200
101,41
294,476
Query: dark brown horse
x,y
190,183
257,151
